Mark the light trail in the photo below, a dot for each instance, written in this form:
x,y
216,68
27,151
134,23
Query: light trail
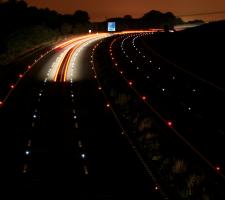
x,y
65,62
151,30
69,44
71,41
62,57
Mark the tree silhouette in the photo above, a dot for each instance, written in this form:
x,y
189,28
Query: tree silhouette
x,y
128,17
81,17
157,19
18,21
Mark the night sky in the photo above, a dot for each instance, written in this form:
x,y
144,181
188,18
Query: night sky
x,y
102,9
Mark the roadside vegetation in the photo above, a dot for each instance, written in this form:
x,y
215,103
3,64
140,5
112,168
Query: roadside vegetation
x,y
25,28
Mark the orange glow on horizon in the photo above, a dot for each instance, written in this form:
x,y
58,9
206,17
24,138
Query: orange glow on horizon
x,y
100,10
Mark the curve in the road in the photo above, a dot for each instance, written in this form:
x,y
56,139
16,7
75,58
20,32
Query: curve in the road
x,y
130,83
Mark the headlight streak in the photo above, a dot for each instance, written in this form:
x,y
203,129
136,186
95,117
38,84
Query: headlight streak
x,y
26,167
63,68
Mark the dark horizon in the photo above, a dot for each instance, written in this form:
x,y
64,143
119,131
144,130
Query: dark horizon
x,y
136,9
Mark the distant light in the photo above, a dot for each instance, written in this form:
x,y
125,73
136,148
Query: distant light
x,y
83,155
25,168
121,72
170,123
85,170
20,75
34,116
130,83
27,152
156,187
217,168
99,88
108,105
189,108
29,67
163,89
144,98
80,144
12,86
29,143
89,31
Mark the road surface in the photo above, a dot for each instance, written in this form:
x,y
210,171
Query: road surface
x,y
60,137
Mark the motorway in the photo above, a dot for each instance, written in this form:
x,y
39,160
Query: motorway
x,y
178,96
179,100
59,136
65,133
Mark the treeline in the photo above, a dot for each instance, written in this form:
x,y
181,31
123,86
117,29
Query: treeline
x,y
16,14
24,27
152,19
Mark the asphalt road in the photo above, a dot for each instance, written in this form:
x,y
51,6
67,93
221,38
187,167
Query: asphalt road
x,y
179,100
193,105
59,138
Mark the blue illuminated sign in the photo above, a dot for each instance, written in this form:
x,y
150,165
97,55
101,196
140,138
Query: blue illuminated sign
x,y
111,26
